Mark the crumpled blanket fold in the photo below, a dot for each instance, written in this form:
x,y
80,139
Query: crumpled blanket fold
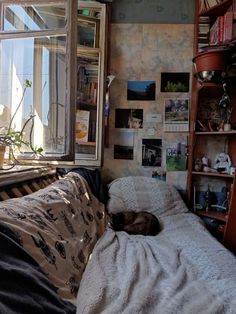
x,y
143,274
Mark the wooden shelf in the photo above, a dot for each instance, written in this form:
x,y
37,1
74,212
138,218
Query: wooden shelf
x,y
209,143
210,89
213,174
212,214
226,133
86,143
217,10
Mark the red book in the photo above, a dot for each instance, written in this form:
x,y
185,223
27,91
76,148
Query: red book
x,y
220,29
228,26
213,38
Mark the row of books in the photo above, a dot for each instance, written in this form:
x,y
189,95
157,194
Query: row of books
x,y
87,84
203,31
221,32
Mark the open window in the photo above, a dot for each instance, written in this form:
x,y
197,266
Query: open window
x,y
36,45
59,46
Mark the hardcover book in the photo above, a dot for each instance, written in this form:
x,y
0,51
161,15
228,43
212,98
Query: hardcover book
x,y
82,126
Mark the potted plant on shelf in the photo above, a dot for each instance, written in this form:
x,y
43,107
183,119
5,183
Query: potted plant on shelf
x,y
13,139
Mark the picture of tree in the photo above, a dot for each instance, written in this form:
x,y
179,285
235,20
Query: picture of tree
x,y
141,90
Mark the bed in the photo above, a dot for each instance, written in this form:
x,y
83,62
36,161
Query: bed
x,y
181,270
58,254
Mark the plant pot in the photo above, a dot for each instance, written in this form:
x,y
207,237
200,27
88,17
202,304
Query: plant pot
x,y
2,153
211,65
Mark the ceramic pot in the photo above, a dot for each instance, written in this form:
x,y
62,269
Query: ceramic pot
x,y
211,64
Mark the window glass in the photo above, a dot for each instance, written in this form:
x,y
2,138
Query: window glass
x,y
42,62
34,17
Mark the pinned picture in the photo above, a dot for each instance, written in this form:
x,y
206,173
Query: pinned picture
x,y
176,115
176,157
151,152
159,174
123,144
141,90
176,82
129,118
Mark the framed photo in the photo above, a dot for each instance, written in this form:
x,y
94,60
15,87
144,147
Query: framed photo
x,y
88,31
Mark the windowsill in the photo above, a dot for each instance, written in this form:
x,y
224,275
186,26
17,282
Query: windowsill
x,y
22,173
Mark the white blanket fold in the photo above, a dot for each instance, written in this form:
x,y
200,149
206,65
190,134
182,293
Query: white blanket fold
x,y
149,275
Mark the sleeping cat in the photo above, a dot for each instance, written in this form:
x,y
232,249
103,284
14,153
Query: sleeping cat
x,y
135,223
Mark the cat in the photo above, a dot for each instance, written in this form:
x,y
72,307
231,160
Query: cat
x,y
135,223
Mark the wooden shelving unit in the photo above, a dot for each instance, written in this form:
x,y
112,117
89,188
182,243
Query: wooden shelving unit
x,y
213,174
212,214
208,143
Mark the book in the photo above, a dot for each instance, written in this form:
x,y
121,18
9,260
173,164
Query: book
x,y
217,31
228,26
82,126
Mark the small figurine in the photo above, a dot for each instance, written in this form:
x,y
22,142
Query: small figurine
x,y
205,165
198,164
222,163
222,199
208,198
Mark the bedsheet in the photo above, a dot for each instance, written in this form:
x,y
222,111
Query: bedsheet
x,y
181,270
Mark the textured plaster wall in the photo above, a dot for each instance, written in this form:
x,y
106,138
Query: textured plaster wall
x,y
142,52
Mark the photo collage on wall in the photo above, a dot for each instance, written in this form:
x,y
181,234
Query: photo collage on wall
x,y
129,121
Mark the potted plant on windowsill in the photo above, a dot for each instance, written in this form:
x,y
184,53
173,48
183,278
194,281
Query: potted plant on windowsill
x,y
13,139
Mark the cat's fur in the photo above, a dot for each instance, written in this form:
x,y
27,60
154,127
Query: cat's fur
x,y
135,223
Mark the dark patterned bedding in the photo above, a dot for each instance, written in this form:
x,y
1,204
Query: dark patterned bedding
x,y
46,239
24,288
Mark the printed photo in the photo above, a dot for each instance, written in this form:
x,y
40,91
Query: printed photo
x,y
176,115
175,82
129,118
176,157
159,174
151,152
123,152
123,144
141,90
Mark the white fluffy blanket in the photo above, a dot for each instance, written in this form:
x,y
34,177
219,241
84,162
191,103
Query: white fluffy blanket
x,y
182,270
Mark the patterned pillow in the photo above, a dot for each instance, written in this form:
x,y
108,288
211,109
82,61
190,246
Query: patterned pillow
x,y
58,226
139,193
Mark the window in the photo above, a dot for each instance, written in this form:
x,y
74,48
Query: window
x,y
35,45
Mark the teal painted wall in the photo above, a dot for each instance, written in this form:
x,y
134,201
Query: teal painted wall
x,y
153,11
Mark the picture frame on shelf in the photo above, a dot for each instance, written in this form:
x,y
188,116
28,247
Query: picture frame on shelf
x,y
88,32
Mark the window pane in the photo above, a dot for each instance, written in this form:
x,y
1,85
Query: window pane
x,y
34,17
42,61
87,109
88,106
